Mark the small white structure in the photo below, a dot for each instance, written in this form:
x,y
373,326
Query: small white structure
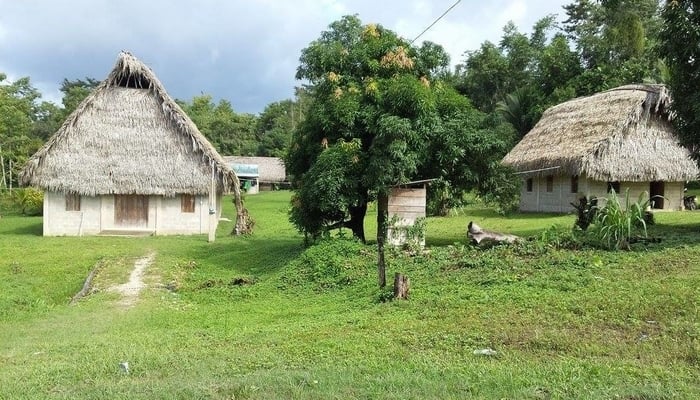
x,y
258,173
621,139
129,160
249,176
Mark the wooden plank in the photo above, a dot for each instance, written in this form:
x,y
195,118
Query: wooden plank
x,y
407,201
131,210
406,209
407,193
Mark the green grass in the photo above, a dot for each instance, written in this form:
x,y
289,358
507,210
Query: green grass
x,y
566,324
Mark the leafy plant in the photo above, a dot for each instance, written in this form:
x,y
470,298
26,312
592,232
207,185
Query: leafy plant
x,y
413,235
618,221
586,211
29,200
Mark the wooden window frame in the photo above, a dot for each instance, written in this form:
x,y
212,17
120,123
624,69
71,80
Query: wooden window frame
x,y
187,203
550,183
72,202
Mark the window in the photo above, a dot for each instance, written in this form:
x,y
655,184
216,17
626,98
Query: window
x,y
72,202
574,184
614,186
187,203
528,184
550,183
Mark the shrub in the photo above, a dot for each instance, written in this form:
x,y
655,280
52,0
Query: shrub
x,y
616,223
29,201
332,263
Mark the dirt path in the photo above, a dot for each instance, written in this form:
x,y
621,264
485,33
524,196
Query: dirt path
x,y
131,289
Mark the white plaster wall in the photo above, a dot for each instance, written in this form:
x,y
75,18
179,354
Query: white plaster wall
x,y
539,200
558,200
59,222
172,221
674,195
165,216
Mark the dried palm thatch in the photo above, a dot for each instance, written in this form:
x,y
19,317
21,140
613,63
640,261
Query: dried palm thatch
x,y
623,134
128,137
271,169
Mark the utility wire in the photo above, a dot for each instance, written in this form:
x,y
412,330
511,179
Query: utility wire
x,y
436,21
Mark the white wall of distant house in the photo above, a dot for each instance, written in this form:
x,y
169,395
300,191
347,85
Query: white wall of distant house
x,y
560,197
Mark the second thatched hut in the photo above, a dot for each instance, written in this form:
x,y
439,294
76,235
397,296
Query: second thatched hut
x,y
621,139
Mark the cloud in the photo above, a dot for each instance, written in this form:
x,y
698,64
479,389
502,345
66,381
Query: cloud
x,y
244,51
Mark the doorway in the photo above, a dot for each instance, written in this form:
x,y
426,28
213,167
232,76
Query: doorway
x,y
656,195
131,211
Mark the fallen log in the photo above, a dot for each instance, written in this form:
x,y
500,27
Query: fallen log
x,y
478,235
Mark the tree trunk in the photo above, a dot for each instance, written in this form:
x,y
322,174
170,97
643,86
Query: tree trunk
x,y
244,224
401,286
382,222
357,221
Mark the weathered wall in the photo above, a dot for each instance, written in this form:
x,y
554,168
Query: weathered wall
x,y
406,205
540,200
59,222
560,198
165,216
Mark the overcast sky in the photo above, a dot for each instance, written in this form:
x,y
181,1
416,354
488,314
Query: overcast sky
x,y
243,51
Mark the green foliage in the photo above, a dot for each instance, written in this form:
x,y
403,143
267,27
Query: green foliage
x,y
330,264
615,41
230,132
274,126
29,201
680,30
501,189
327,190
618,221
369,85
413,235
19,109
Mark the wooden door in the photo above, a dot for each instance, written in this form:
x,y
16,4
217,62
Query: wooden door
x,y
131,210
656,195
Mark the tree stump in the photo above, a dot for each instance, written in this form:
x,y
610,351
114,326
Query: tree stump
x,y
401,286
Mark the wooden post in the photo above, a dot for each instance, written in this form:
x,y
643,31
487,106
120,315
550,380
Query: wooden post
x,y
401,286
382,222
212,206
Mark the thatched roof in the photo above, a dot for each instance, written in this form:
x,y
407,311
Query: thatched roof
x,y
623,134
128,137
271,169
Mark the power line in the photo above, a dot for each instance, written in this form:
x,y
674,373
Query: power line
x,y
436,21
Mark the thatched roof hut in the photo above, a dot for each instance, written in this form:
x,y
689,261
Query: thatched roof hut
x,y
623,134
125,141
271,169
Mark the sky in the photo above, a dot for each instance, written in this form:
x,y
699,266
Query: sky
x,y
243,51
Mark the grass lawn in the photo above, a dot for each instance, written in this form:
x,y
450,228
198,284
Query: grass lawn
x,y
260,317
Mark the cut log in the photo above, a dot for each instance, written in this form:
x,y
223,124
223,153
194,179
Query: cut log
x,y
401,286
476,234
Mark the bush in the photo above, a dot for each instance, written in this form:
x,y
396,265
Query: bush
x,y
28,201
332,263
615,224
